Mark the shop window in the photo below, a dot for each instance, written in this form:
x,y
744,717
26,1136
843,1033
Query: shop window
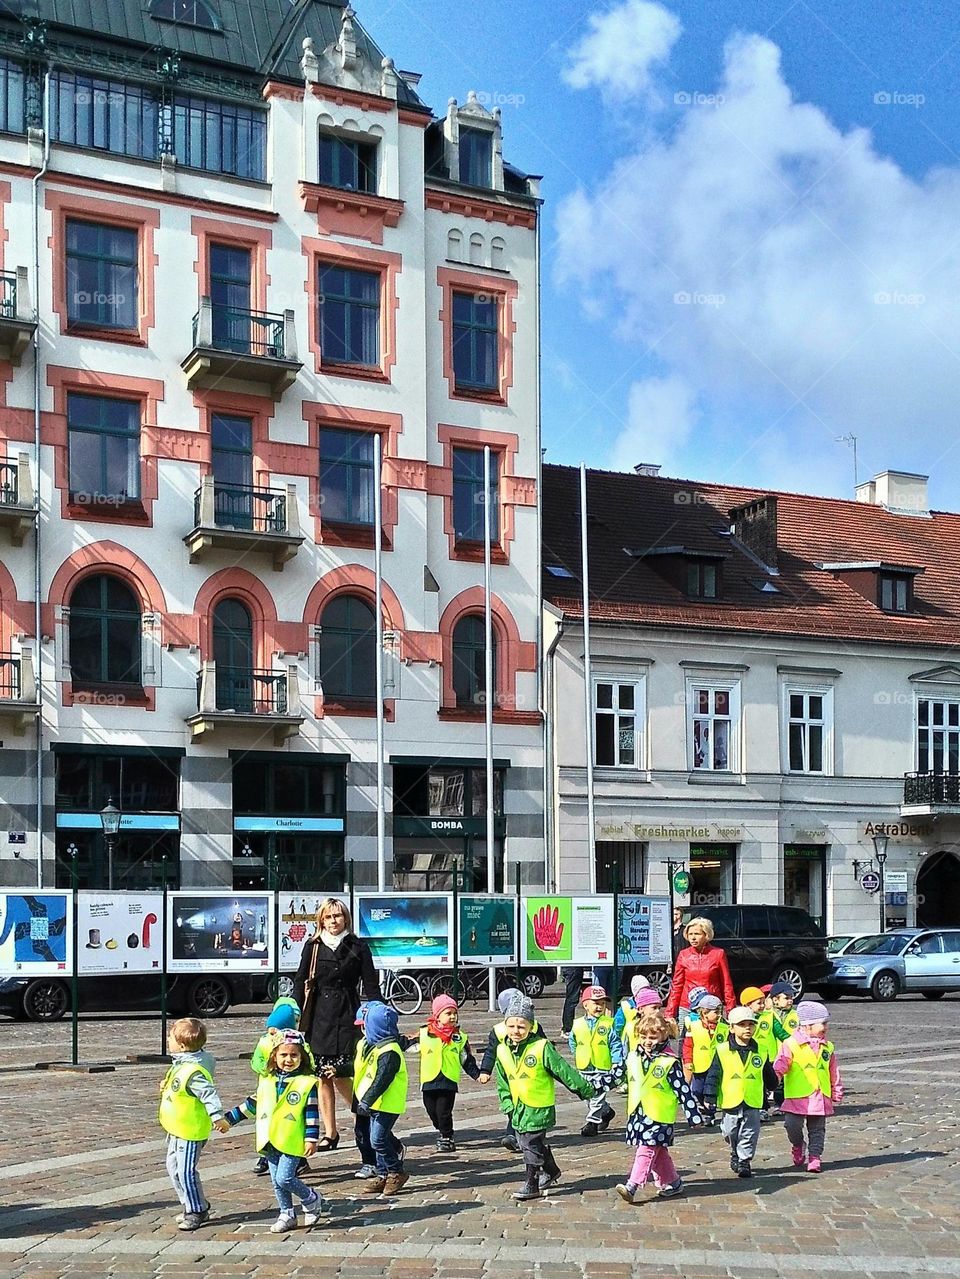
x,y
712,875
620,866
140,860
135,783
444,791
104,634
804,878
281,787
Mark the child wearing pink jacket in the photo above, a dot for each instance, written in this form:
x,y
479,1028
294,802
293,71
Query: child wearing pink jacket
x,y
807,1064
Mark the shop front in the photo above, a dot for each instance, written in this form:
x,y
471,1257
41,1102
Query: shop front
x,y
440,826
805,878
713,874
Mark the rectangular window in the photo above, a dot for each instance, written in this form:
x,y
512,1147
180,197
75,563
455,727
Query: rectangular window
x,y
220,137
107,115
703,580
101,266
894,593
938,736
618,727
346,476
476,157
349,303
713,880
232,450
804,880
620,867
469,499
104,448
348,165
476,355
806,731
11,97
713,729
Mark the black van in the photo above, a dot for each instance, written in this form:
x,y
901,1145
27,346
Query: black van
x,y
768,943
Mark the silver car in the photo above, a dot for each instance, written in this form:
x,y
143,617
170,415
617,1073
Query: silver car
x,y
885,965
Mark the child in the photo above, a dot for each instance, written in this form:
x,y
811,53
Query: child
x,y
285,1015
655,1084
781,1018
487,1062
380,1091
287,1115
444,1054
735,1083
781,999
189,1109
811,1083
705,1030
598,1056
627,1011
526,1069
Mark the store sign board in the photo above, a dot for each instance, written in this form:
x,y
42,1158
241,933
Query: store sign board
x,y
669,832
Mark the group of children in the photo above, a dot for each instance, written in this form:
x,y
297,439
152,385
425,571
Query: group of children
x,y
762,1056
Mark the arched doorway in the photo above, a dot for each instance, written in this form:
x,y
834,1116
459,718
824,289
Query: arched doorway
x,y
938,891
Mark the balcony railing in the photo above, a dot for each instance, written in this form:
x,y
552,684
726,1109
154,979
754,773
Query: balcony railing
x,y
234,517
247,699
9,484
10,683
931,790
246,691
8,295
18,504
235,348
18,692
243,332
17,319
250,510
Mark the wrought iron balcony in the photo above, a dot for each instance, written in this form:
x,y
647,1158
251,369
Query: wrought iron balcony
x,y
927,793
18,691
18,503
232,517
242,350
17,318
247,699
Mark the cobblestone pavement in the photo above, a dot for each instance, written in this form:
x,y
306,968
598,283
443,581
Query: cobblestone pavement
x,y
84,1192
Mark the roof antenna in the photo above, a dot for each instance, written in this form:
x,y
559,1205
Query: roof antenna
x,y
851,442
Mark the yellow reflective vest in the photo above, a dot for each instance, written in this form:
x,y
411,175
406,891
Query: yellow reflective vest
x,y
788,1020
394,1100
438,1058
809,1069
527,1076
592,1044
281,1121
741,1081
180,1113
649,1090
766,1040
705,1044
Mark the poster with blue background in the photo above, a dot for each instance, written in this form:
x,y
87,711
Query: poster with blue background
x,y
407,930
643,932
35,933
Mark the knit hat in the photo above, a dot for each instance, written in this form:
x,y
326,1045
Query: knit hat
x,y
706,1002
441,1003
809,1011
638,983
740,1014
767,989
504,998
594,992
285,1014
750,994
782,988
647,998
521,1006
695,995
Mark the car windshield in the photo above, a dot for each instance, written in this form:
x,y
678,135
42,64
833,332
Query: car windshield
x,y
882,944
837,943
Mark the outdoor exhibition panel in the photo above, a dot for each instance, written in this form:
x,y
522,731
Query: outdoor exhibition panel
x,y
406,930
213,932
119,933
36,933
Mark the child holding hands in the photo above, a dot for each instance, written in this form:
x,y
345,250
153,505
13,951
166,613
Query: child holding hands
x,y
807,1064
444,1055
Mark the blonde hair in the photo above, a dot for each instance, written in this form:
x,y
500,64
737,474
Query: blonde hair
x,y
656,1023
326,905
189,1033
705,924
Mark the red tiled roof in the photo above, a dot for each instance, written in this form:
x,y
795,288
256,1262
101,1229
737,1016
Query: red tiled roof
x,y
642,512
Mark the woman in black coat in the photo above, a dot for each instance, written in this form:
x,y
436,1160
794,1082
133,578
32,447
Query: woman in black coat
x,y
341,966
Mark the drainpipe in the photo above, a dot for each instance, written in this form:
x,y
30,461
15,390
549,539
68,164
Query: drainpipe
x,y
37,578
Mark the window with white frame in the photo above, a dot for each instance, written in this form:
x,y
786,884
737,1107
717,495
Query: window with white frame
x,y
713,713
808,714
618,722
938,735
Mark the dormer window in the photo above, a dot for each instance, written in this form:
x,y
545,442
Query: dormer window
x,y
187,13
476,157
703,580
349,164
888,586
895,592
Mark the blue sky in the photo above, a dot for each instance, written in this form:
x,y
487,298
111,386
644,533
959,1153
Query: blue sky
x,y
752,228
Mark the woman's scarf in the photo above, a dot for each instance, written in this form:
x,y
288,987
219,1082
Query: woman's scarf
x,y
332,940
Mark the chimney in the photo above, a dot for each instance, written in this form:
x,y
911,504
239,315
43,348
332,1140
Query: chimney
x,y
647,468
755,527
900,492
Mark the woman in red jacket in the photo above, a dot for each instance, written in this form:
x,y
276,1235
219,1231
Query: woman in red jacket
x,y
699,964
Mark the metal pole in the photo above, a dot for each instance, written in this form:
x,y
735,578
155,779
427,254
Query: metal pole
x,y
378,576
163,962
883,897
587,678
274,868
456,936
111,840
615,994
488,701
74,983
519,922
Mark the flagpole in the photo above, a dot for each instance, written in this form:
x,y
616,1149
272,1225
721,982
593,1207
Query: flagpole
x,y
587,679
488,680
378,608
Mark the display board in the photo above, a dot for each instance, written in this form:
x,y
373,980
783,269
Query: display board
x,y
567,930
36,933
406,930
119,933
644,935
210,932
487,929
298,923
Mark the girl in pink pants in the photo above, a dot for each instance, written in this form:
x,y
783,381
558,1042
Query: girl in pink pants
x,y
656,1088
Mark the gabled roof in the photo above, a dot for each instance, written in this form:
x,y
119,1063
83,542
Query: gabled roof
x,y
637,511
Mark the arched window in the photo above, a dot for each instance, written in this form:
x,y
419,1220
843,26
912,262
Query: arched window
x,y
233,654
348,650
191,13
455,245
469,684
476,250
498,251
104,633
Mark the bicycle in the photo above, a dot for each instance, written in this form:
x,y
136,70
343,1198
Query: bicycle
x,y
471,983
401,991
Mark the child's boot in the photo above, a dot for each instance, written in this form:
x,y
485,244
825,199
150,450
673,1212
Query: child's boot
x,y
530,1188
813,1164
261,1168
590,1129
607,1118
798,1154
744,1169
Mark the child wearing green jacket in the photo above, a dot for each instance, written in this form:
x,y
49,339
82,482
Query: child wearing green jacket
x,y
526,1072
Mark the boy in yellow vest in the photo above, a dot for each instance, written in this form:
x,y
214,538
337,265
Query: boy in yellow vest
x,y
444,1055
706,1029
734,1084
807,1064
380,1092
190,1108
498,1034
598,1055
526,1072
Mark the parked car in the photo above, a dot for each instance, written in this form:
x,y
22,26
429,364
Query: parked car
x,y
885,965
768,944
196,994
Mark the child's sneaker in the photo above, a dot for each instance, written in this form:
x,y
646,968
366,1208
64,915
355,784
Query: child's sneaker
x,y
745,1170
798,1154
193,1220
261,1168
286,1221
590,1129
446,1146
734,1163
671,1191
625,1193
366,1172
314,1209
813,1164
529,1190
547,1180
395,1182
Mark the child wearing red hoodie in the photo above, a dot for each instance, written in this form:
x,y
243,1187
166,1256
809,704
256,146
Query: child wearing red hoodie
x,y
807,1064
444,1055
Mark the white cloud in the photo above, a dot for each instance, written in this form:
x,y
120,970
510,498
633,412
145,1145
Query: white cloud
x,y
661,416
779,266
622,47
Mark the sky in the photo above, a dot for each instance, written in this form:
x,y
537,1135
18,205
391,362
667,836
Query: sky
x,y
751,229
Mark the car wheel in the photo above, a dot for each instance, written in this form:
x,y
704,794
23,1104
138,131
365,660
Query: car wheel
x,y
532,984
830,996
933,994
208,997
885,987
659,979
792,974
279,988
45,1000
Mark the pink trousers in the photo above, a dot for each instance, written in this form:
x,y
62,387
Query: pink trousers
x,y
653,1161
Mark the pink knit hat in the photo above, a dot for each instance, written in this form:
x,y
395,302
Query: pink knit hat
x,y
647,998
442,1003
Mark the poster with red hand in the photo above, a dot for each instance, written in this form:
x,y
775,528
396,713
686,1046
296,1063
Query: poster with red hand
x,y
567,930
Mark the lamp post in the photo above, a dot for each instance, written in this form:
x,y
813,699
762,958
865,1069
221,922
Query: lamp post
x,y
880,849
110,821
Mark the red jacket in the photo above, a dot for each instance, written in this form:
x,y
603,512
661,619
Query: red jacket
x,y
694,968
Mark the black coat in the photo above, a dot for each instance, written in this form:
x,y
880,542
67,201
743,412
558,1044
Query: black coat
x,y
340,976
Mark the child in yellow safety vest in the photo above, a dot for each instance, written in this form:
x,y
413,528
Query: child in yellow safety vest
x,y
380,1095
642,995
812,1086
704,1031
656,1088
526,1071
190,1108
287,1115
444,1055
598,1055
734,1083
284,1015
498,1034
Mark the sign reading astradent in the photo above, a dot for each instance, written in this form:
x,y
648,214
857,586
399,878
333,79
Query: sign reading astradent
x,y
896,830
669,831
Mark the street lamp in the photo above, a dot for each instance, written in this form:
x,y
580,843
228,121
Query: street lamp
x,y
880,849
110,821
